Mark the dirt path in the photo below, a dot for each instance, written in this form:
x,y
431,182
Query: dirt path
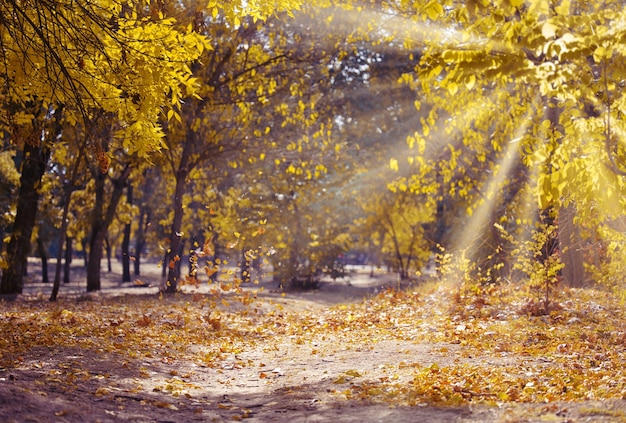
x,y
305,378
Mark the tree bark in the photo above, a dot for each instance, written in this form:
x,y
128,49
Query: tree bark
x,y
33,168
97,236
176,243
101,220
43,255
140,239
166,260
245,265
68,259
570,242
126,240
216,254
62,240
108,248
568,236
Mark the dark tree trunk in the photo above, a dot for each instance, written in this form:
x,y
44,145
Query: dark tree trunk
x,y
68,259
126,240
176,243
33,168
62,240
140,239
173,264
97,236
166,260
137,263
94,261
43,255
108,248
245,266
85,253
216,254
100,224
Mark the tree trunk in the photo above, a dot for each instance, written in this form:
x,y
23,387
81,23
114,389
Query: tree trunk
x,y
570,242
245,265
68,259
100,224
216,254
166,260
94,260
108,248
33,168
137,262
41,250
97,235
126,240
173,264
400,264
62,240
85,252
140,239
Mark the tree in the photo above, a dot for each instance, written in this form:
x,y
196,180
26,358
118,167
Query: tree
x,y
69,179
81,57
248,82
32,169
9,185
103,213
537,83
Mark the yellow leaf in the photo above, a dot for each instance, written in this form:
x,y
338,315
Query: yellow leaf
x,y
471,81
393,164
453,88
563,8
548,30
434,10
599,54
341,379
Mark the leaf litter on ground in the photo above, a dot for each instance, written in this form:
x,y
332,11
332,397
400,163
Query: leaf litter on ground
x,y
430,345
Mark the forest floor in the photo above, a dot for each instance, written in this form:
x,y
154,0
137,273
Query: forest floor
x,y
353,350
